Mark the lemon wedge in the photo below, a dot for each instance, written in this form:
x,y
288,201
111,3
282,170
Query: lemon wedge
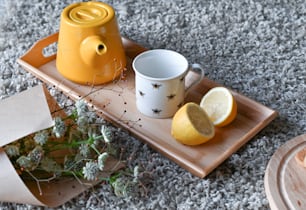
x,y
220,106
191,125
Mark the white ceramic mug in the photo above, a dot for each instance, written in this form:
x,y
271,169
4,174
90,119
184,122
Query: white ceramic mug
x,y
160,82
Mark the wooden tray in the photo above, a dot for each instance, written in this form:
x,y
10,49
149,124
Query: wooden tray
x,y
116,102
285,178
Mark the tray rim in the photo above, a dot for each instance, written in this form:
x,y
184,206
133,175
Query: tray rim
x,y
33,67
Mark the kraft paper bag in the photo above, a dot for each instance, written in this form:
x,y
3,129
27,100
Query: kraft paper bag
x,y
21,115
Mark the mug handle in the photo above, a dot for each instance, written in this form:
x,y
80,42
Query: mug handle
x,y
195,78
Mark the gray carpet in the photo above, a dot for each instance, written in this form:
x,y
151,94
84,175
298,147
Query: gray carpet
x,y
254,47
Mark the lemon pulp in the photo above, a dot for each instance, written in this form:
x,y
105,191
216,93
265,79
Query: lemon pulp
x,y
191,125
220,106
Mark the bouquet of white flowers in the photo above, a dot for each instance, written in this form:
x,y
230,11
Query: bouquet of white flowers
x,y
78,146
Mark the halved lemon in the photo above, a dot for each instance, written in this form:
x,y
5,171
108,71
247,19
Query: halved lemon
x,y
220,106
191,125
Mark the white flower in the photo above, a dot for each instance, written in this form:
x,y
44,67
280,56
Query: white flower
x,y
84,150
91,171
41,137
101,160
122,186
26,163
91,116
107,134
81,107
33,159
12,150
36,155
136,174
82,123
59,128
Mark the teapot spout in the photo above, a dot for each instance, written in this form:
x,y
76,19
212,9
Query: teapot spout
x,y
91,49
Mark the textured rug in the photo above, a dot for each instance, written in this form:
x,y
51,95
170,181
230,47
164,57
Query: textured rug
x,y
256,48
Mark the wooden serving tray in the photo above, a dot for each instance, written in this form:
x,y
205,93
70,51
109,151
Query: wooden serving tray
x,y
116,102
285,178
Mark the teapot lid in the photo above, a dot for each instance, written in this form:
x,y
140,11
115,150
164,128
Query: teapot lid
x,y
88,13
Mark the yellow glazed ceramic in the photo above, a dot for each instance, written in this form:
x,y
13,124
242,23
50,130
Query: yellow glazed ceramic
x,y
90,49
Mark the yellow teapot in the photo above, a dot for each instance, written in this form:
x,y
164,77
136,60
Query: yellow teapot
x,y
90,49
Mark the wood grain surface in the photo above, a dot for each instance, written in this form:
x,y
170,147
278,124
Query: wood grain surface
x,y
285,178
300,157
